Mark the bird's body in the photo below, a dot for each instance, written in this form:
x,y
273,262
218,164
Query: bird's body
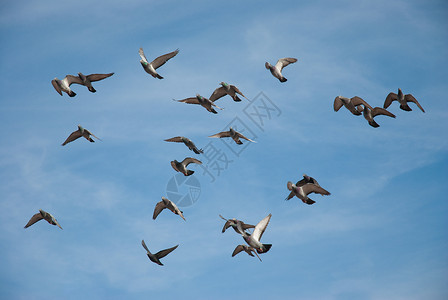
x,y
402,99
370,113
150,67
204,102
166,203
88,79
43,215
226,89
235,135
189,143
246,249
64,84
306,179
157,256
237,225
276,70
79,133
302,189
182,166
253,239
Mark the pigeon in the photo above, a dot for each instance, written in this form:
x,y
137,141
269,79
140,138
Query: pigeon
x,y
306,179
156,257
352,104
276,70
166,203
369,114
402,99
45,216
226,89
304,190
235,135
64,84
79,133
245,248
253,240
189,143
87,80
182,166
206,103
237,225
150,67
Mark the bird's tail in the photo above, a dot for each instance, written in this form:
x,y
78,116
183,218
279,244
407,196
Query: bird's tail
x,y
283,79
158,76
91,89
189,172
405,107
267,247
72,94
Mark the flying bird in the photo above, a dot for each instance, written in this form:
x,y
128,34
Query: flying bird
x,y
352,104
302,191
369,114
204,102
189,143
64,84
79,133
150,67
87,80
43,215
156,257
237,225
276,70
402,99
182,166
253,239
166,203
246,249
306,179
226,89
235,135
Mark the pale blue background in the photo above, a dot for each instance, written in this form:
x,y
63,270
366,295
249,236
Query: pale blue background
x,y
382,234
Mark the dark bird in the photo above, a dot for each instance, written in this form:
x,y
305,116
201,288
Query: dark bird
x,y
204,102
370,113
246,249
156,257
402,99
182,166
302,191
150,67
189,143
235,135
237,225
43,215
306,179
79,133
226,89
276,70
166,203
87,80
352,104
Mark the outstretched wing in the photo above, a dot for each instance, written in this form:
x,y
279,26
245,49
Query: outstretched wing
x,y
161,60
283,62
142,55
243,137
337,103
221,134
34,219
192,100
237,90
358,101
389,99
144,246
177,139
381,111
312,188
410,98
73,136
56,86
165,252
237,250
97,77
73,79
158,209
190,160
218,93
261,227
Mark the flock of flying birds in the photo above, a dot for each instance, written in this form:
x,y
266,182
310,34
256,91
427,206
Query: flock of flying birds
x,y
301,189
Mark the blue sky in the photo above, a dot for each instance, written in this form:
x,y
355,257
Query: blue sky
x,y
382,234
